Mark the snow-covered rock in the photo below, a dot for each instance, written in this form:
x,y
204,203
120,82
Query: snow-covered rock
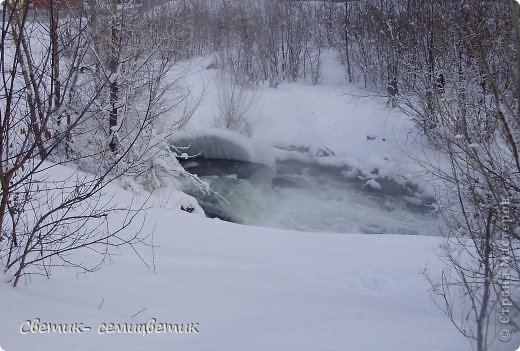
x,y
222,144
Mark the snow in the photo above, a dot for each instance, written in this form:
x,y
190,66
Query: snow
x,y
373,184
248,288
326,116
361,131
253,288
222,144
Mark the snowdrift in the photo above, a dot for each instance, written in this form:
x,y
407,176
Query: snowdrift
x,y
223,145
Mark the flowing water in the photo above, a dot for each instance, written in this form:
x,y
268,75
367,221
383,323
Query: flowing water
x,y
308,197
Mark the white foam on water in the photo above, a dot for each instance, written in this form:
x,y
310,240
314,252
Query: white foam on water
x,y
320,203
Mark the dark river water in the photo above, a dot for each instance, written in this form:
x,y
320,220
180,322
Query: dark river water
x,y
308,197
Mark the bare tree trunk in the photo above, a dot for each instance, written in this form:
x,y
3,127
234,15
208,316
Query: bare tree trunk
x,y
516,23
347,55
113,70
55,59
483,314
33,99
430,80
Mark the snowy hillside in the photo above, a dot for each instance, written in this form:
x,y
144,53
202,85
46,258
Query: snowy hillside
x,y
260,175
358,127
248,288
355,147
254,288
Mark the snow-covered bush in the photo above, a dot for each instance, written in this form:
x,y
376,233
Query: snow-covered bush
x,y
86,90
234,103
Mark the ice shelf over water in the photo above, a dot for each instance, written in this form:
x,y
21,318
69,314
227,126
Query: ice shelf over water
x,y
222,144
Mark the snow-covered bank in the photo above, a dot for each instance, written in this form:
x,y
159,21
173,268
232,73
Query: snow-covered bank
x,y
363,133
252,288
345,162
333,130
248,288
221,144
